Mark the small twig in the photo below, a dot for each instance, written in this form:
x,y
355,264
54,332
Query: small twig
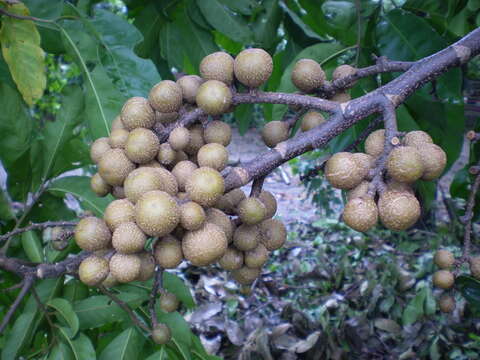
x,y
257,186
473,136
157,284
44,310
14,287
27,285
22,17
35,226
468,217
359,30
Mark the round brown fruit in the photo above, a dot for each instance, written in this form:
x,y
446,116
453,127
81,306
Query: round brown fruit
x,y
140,181
246,237
99,186
444,259
267,198
161,334
110,280
205,186
179,138
311,120
232,259
343,172
137,112
190,85
358,191
142,145
341,97
166,154
257,257
246,275
117,123
307,75
214,97
394,185
417,138
168,302
213,155
218,132
374,143
114,167
196,140
147,266
166,118
343,71
125,267
360,213
273,234
204,246
443,279
275,132
118,138
228,202
218,217
405,164
118,192
92,233
168,252
365,162
128,238
182,172
119,212
251,211
168,181
217,66
98,148
253,67
398,210
475,267
93,270
192,216
166,96
434,161
157,213
446,303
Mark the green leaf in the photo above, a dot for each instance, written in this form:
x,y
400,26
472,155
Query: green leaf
x,y
339,14
81,346
32,246
65,309
148,21
299,23
244,7
181,333
414,309
61,351
176,286
75,290
79,186
6,212
166,353
45,9
199,350
169,47
243,116
470,289
125,346
266,27
21,50
19,336
50,208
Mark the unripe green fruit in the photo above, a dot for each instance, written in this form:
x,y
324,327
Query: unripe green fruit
x,y
433,159
343,172
118,138
307,75
417,139
166,118
190,85
161,334
444,259
217,217
398,210
246,237
275,132
375,142
196,140
204,246
213,155
253,67
93,270
114,167
182,172
128,238
360,213
98,148
214,97
179,138
205,186
125,267
257,257
232,259
168,302
117,124
217,66
168,252
218,132
404,164
92,234
251,211
443,279
192,216
344,71
99,186
447,303
311,120
475,267
341,97
142,145
166,154
166,96
273,234
246,275
157,213
137,112
119,212
147,266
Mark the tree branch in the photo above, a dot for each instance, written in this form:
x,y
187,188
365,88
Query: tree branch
x,y
468,217
157,284
35,226
27,285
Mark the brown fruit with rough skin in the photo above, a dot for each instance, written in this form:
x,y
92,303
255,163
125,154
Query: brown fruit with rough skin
x,y
358,191
218,132
417,138
274,132
343,172
114,167
398,210
205,186
307,75
182,172
375,142
204,246
125,267
404,164
119,212
273,234
166,154
246,237
443,279
179,138
157,213
267,198
168,252
168,181
228,202
253,67
147,266
161,334
394,185
128,238
341,97
344,71
444,259
251,211
214,97
475,267
192,216
246,275
360,213
98,148
140,181
190,85
92,233
311,120
93,270
218,217
232,259
118,138
433,159
142,145
257,257
118,192
196,140
117,123
137,112
365,162
110,280
99,186
168,302
213,155
447,303
166,96
166,118
217,66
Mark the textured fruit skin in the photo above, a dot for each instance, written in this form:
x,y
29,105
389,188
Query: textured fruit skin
x,y
142,145
179,138
213,155
217,66
157,213
93,270
404,164
140,181
125,267
137,112
365,162
232,259
114,167
99,186
182,172
253,67
267,198
218,217
214,97
204,246
257,257
117,123
110,280
342,171
166,96
433,159
394,185
360,213
417,138
166,154
92,234
205,186
246,275
98,148
161,334
341,97
168,252
166,117
251,211
147,266
218,132
168,302
196,140
190,85
344,71
443,279
118,212
307,75
192,216
228,202
358,191
311,120
444,259
475,267
398,210
274,132
118,192
446,303
273,234
375,142
128,238
118,138
168,181
246,237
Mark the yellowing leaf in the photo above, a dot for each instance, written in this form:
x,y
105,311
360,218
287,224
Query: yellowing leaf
x,y
21,50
